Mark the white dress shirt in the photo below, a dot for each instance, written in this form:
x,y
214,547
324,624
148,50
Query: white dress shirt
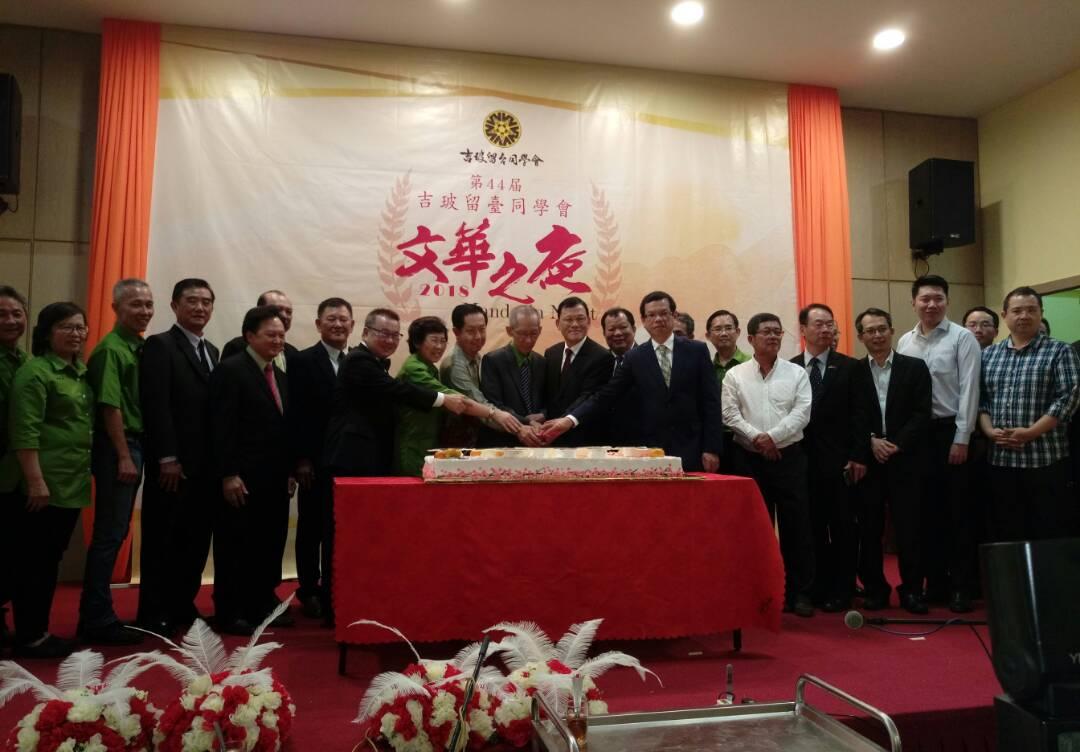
x,y
777,404
195,339
822,358
334,353
670,345
953,356
881,375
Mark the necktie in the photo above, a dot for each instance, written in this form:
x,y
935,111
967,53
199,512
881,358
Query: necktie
x,y
665,363
272,383
816,382
525,384
201,350
569,356
385,363
618,364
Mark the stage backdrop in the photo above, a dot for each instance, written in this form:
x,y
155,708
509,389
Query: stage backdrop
x,y
419,179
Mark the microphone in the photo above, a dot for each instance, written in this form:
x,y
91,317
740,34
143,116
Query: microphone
x,y
855,620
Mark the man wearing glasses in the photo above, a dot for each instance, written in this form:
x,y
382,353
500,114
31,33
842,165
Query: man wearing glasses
x,y
722,338
766,403
983,323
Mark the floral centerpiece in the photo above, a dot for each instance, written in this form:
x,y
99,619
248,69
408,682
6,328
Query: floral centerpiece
x,y
83,712
228,701
416,710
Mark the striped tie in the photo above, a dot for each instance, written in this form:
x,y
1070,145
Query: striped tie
x,y
665,363
525,384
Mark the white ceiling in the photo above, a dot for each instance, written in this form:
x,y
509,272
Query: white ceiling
x,y
963,57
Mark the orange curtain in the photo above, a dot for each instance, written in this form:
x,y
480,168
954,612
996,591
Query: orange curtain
x,y
123,177
819,201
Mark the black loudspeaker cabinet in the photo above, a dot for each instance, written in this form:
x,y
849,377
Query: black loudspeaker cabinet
x,y
941,205
1020,730
10,133
1031,592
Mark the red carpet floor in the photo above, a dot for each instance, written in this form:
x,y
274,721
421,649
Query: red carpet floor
x,y
938,689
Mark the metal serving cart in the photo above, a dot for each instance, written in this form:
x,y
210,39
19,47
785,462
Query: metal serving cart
x,y
767,727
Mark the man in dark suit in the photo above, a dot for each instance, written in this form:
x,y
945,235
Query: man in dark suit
x,y
680,400
311,383
835,458
623,423
281,301
513,377
360,434
182,490
254,452
894,424
574,369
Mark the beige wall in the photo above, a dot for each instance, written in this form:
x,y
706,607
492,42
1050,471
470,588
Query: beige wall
x,y
880,148
1030,186
44,246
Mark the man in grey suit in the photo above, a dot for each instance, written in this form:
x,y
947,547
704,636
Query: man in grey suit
x,y
513,376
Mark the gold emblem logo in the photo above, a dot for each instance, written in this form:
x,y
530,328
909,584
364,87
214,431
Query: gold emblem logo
x,y
502,129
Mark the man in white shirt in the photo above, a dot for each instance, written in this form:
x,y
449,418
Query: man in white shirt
x,y
952,354
766,403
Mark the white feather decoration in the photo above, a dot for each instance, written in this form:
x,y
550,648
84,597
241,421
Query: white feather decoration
x,y
79,669
465,660
250,657
387,687
262,676
14,680
281,608
594,667
181,672
574,645
388,628
527,643
202,649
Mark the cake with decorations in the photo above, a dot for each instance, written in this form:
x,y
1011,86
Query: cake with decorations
x,y
550,464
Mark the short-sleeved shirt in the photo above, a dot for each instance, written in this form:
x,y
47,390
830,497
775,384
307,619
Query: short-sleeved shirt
x,y
10,360
52,411
113,370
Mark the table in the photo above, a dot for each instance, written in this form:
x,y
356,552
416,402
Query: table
x,y
656,558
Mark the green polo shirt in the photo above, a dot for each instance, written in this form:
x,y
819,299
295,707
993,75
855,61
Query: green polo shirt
x,y
519,357
721,370
113,371
52,411
10,360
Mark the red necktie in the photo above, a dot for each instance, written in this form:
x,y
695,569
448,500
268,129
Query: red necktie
x,y
272,383
566,361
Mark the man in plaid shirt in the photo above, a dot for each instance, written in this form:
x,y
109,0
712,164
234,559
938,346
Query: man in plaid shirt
x,y
1029,393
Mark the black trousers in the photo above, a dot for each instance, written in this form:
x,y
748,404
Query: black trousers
x,y
1032,503
10,501
39,541
897,483
948,517
833,527
176,532
249,542
783,486
311,513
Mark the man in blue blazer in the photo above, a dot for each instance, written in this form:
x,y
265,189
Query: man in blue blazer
x,y
679,398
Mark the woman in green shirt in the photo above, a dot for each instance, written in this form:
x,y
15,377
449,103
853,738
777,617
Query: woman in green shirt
x,y
418,430
49,427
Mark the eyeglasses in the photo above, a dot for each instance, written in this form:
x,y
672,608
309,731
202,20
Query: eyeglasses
x,y
663,315
981,325
73,328
876,330
723,329
823,325
770,332
383,334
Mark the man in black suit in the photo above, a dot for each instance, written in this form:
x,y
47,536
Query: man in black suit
x,y
574,369
623,423
835,458
254,450
512,377
281,301
311,383
894,424
182,490
679,398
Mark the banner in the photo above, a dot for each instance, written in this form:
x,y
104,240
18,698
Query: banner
x,y
420,179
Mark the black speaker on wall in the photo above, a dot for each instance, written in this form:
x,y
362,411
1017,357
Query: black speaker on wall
x,y
941,205
10,133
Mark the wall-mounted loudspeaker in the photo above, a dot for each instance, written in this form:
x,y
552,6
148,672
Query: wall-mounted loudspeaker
x,y
10,133
941,205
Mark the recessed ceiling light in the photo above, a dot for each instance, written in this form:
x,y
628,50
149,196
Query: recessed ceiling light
x,y
687,13
889,39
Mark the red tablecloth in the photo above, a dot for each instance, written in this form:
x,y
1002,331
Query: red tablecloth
x,y
653,558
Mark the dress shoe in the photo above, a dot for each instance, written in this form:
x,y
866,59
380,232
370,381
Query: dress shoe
x,y
836,605
913,604
875,602
936,596
239,627
960,604
802,606
116,633
49,646
311,607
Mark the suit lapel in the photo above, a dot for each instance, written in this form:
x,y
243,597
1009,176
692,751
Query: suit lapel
x,y
654,364
264,386
189,352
